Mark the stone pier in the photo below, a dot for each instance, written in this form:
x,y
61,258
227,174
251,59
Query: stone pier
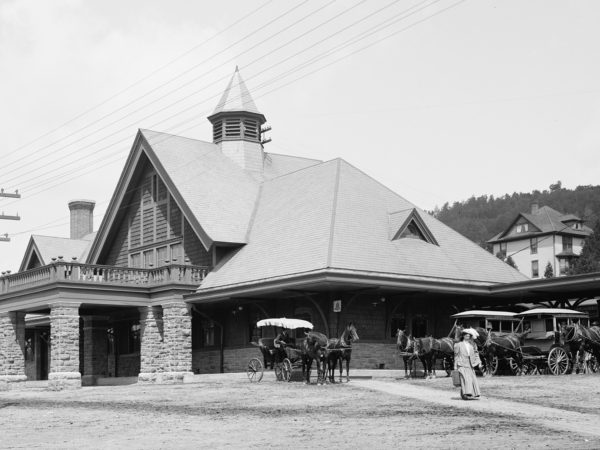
x,y
178,341
64,353
166,343
12,349
95,349
151,344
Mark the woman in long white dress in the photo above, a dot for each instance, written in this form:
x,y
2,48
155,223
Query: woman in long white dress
x,y
466,359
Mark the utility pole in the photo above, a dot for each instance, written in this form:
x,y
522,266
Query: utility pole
x,y
5,238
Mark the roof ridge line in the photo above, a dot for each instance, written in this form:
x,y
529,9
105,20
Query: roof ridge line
x,y
550,220
333,213
300,169
175,135
254,211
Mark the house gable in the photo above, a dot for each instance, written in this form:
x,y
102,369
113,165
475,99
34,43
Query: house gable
x,y
32,258
146,224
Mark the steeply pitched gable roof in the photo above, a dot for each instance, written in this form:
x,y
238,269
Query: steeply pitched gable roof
x,y
47,247
546,220
332,215
217,196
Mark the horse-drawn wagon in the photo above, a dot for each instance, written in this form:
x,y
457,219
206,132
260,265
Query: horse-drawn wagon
x,y
497,341
283,357
545,348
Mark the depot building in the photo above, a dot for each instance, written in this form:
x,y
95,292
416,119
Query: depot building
x,y
202,239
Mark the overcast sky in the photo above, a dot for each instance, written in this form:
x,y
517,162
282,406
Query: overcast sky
x,y
438,99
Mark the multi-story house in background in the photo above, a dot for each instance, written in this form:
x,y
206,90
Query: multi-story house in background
x,y
540,237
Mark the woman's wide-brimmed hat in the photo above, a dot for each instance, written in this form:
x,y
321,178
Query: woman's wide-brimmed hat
x,y
470,331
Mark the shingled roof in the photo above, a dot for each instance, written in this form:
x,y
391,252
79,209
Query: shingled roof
x,y
333,216
545,220
44,248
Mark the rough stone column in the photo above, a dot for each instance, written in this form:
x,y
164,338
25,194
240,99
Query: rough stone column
x,y
151,344
178,341
12,349
64,351
95,349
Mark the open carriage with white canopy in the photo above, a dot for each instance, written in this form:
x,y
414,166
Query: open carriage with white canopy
x,y
284,359
544,349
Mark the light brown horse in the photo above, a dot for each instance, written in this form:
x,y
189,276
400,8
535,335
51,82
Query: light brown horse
x,y
405,348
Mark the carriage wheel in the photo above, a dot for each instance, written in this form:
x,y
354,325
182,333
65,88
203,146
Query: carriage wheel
x,y
286,370
489,367
516,367
255,370
558,361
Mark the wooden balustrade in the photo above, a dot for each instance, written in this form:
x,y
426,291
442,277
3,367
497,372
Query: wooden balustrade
x,y
62,271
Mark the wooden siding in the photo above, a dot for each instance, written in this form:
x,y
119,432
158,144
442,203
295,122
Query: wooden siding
x,y
149,224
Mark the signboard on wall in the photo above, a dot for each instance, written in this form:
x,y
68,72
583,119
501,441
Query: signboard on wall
x,y
337,306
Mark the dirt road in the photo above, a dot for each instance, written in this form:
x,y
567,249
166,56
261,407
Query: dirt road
x,y
226,411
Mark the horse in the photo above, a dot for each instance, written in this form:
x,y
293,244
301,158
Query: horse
x,y
405,347
581,340
424,349
314,348
493,347
340,350
443,349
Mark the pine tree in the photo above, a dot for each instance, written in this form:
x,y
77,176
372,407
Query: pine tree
x,y
511,262
589,260
549,272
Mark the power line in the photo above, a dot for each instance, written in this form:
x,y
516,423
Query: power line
x,y
301,65
146,77
216,96
303,76
53,154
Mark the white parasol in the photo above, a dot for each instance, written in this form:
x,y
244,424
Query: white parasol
x,y
283,322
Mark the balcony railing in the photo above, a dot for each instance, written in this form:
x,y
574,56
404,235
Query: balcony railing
x,y
61,271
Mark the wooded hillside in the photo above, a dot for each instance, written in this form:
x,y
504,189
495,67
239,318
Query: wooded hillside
x,y
480,218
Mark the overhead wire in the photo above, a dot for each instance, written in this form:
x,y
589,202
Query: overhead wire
x,y
144,78
53,153
77,151
305,75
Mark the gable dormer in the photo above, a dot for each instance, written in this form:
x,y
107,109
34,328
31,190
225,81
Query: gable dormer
x,y
522,226
409,224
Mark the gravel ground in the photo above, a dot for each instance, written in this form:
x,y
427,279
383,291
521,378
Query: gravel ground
x,y
228,411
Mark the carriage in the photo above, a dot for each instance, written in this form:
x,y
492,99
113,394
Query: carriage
x,y
283,367
544,348
495,324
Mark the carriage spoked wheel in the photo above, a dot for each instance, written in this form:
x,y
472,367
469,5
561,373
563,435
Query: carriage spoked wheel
x,y
286,370
255,370
516,367
558,361
489,367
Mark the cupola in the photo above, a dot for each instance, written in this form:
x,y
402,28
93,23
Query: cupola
x,y
237,125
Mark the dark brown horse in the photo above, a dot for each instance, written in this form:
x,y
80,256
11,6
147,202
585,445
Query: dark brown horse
x,y
314,348
405,348
340,350
584,345
424,349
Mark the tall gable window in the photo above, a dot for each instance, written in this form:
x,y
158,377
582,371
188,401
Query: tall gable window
x,y
535,269
522,228
408,224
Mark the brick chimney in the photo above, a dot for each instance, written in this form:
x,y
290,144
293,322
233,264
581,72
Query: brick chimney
x,y
534,207
82,217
